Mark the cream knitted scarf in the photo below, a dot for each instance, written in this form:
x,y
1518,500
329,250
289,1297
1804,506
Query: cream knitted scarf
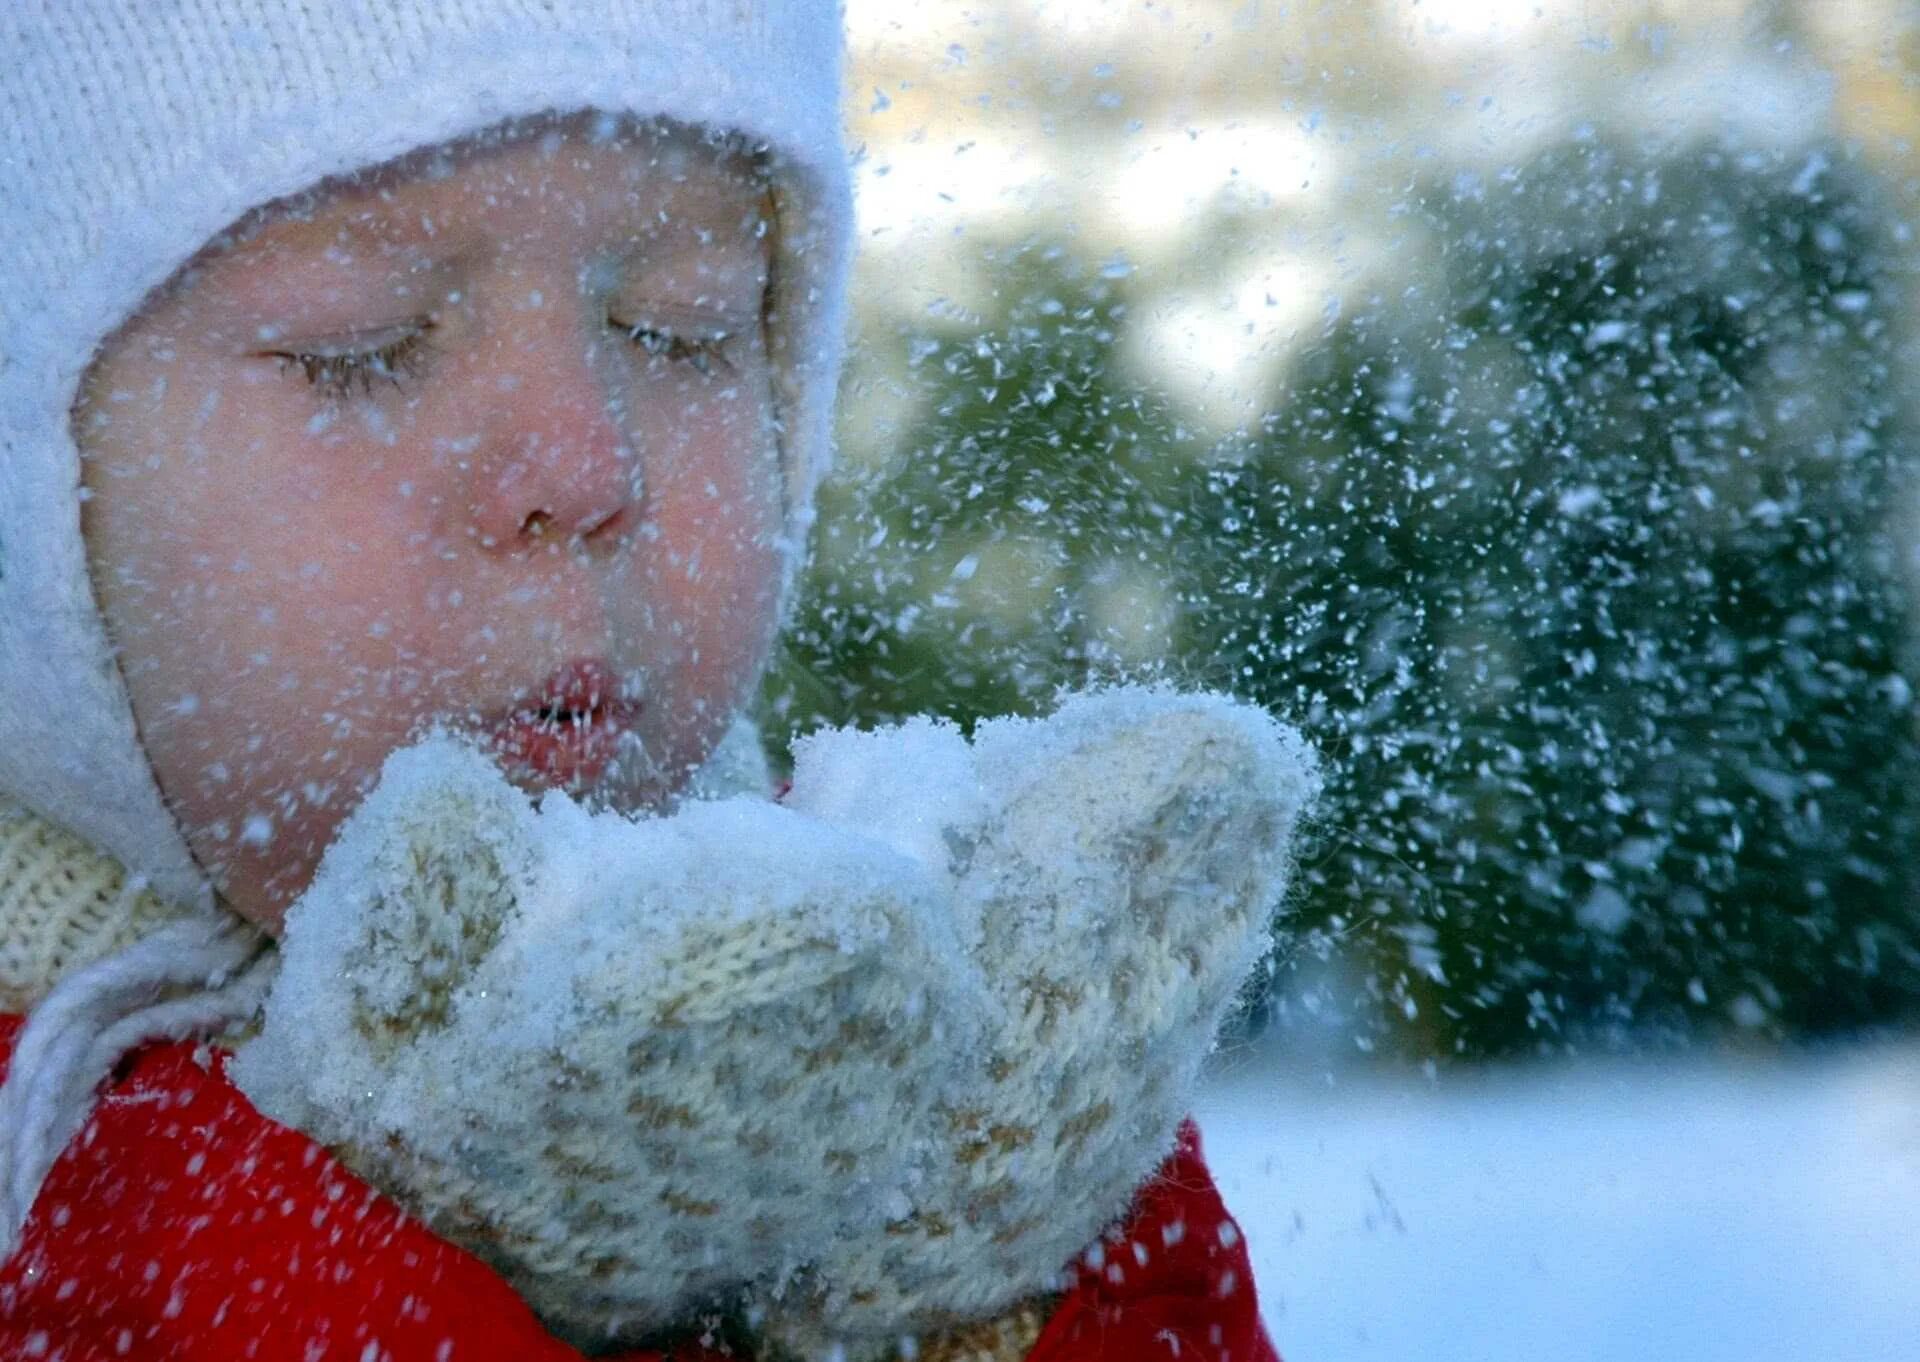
x,y
62,905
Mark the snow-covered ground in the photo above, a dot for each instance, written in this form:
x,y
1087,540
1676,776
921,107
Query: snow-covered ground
x,y
1701,1210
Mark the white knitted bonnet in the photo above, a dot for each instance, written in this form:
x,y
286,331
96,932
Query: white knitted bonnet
x,y
136,130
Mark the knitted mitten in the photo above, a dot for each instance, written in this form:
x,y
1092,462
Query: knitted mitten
x,y
1116,871
876,1062
621,1061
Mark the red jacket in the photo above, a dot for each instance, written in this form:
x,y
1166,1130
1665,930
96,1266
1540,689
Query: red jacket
x,y
184,1226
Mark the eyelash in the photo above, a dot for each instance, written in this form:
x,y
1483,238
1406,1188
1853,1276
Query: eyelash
x,y
701,352
336,375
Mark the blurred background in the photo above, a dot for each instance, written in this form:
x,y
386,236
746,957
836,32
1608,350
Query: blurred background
x,y
1517,395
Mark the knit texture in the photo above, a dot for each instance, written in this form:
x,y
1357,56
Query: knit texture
x,y
62,905
187,1227
1007,1338
74,933
871,1064
132,134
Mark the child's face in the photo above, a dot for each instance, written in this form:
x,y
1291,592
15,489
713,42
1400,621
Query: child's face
x,y
487,439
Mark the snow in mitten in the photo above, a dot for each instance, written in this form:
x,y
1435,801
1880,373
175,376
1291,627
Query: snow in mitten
x,y
632,1064
876,1063
1114,867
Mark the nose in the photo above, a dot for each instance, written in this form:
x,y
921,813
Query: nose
x,y
558,462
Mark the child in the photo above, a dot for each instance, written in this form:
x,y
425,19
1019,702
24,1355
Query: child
x,y
512,430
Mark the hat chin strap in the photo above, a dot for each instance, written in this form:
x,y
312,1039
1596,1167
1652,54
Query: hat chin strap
x,y
188,978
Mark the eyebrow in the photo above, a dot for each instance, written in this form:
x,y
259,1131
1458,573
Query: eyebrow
x,y
257,267
685,248
364,225
280,280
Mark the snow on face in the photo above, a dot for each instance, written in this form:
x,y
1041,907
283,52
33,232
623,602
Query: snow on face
x,y
407,450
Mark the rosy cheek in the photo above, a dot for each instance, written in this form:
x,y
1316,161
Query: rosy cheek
x,y
720,520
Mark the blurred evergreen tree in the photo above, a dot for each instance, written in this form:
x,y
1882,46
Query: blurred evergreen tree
x,y
1033,441
1575,556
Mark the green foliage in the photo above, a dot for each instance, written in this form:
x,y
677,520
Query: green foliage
x,y
1575,556
1033,444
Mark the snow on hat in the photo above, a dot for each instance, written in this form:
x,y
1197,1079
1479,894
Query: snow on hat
x,y
134,133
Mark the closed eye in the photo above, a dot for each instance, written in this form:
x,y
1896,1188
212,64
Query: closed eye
x,y
703,354
337,371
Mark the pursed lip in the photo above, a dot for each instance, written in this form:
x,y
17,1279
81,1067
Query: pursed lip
x,y
568,730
